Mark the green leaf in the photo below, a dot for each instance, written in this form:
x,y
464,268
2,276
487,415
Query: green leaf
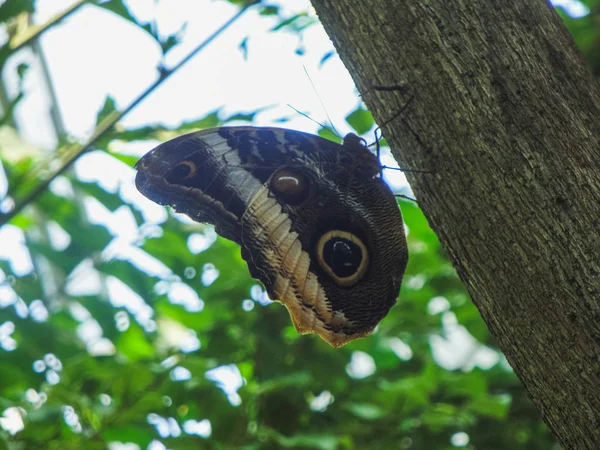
x,y
131,433
106,110
326,57
269,10
13,8
172,40
243,46
329,133
316,441
286,22
497,407
367,411
361,120
133,344
120,8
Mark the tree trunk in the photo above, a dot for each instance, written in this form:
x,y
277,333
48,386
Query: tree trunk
x,y
506,115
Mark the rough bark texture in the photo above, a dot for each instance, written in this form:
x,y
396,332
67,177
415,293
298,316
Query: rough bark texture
x,y
507,115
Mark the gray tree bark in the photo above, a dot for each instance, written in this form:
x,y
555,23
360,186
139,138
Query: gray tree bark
x,y
507,116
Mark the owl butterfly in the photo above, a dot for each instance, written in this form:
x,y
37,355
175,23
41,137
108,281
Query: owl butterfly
x,y
315,222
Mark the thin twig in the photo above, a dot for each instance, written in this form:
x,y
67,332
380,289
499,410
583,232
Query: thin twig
x,y
77,150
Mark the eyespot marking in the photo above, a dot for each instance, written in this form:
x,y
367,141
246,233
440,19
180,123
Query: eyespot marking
x,y
182,171
343,256
291,186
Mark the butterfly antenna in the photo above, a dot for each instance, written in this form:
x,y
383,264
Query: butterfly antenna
x,y
321,102
406,170
308,117
406,197
378,129
378,137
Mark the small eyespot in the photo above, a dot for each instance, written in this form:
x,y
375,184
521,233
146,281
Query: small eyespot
x,y
291,186
182,171
344,257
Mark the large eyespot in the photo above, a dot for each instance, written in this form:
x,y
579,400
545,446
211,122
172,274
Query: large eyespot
x,y
344,256
181,171
291,186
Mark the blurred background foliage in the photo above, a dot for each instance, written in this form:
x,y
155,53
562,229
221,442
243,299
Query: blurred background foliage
x,y
101,351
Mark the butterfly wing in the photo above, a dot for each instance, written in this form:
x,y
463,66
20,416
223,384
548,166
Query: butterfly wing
x,y
316,224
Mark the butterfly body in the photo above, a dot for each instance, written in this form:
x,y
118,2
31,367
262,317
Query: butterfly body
x,y
316,224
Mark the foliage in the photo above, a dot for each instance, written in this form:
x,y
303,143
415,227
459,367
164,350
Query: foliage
x,y
98,348
586,32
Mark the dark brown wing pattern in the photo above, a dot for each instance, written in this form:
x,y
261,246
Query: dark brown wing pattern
x,y
316,224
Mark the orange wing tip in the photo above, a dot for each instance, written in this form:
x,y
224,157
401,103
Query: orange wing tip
x,y
306,322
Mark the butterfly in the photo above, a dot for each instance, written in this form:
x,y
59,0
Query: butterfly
x,y
315,222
